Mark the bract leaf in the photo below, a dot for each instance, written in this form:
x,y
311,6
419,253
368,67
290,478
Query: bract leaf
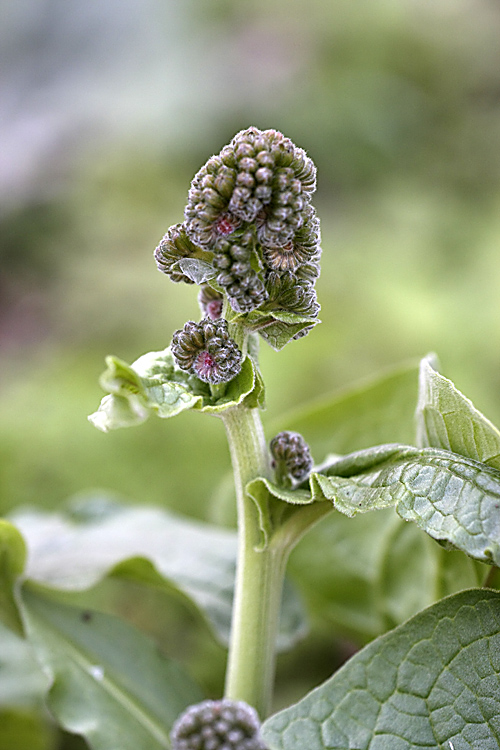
x,y
433,682
246,386
447,419
150,546
110,683
12,561
199,271
154,384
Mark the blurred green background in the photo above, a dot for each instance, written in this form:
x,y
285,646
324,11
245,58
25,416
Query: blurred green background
x,y
109,110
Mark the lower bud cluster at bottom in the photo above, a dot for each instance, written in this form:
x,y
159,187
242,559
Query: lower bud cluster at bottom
x,y
218,725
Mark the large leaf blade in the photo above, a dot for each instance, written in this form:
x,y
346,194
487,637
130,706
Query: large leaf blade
x,y
447,419
454,499
110,683
433,682
151,546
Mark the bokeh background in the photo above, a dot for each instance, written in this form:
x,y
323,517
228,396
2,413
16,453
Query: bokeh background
x,y
109,108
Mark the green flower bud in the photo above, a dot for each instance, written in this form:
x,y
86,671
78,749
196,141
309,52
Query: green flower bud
x,y
291,458
242,284
174,246
206,350
218,725
249,216
289,293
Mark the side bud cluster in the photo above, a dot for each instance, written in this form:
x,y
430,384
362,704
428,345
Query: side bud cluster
x,y
218,725
206,350
250,209
291,457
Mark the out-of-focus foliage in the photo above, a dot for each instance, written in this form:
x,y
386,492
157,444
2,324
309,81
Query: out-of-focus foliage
x,y
110,108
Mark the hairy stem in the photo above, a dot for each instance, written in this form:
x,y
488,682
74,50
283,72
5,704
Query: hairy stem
x,y
259,575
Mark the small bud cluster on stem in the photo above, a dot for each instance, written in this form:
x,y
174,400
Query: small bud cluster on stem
x,y
291,458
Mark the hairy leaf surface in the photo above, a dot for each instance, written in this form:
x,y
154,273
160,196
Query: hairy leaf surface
x,y
154,384
447,419
433,682
110,683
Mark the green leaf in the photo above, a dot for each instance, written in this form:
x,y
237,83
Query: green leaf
x,y
199,271
22,682
150,546
277,327
246,387
447,419
12,561
109,682
154,384
433,682
377,411
453,498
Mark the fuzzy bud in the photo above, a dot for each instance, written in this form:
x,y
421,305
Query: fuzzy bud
x,y
218,725
210,302
206,350
174,246
291,457
249,216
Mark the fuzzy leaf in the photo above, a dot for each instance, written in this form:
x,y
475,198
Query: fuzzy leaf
x,y
154,384
12,561
247,386
150,546
433,682
454,499
109,682
279,333
447,419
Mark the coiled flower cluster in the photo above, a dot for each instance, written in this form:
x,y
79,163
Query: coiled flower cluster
x,y
206,350
249,214
218,725
291,457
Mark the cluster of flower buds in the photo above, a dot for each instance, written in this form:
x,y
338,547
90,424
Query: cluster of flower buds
x,y
249,212
218,725
206,350
291,458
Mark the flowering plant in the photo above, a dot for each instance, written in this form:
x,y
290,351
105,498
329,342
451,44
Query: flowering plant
x,y
430,675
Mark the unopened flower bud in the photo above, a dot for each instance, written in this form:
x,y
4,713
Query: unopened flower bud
x,y
206,350
291,457
210,302
174,246
218,725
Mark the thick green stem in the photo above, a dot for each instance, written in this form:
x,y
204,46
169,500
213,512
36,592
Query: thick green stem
x,y
259,575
